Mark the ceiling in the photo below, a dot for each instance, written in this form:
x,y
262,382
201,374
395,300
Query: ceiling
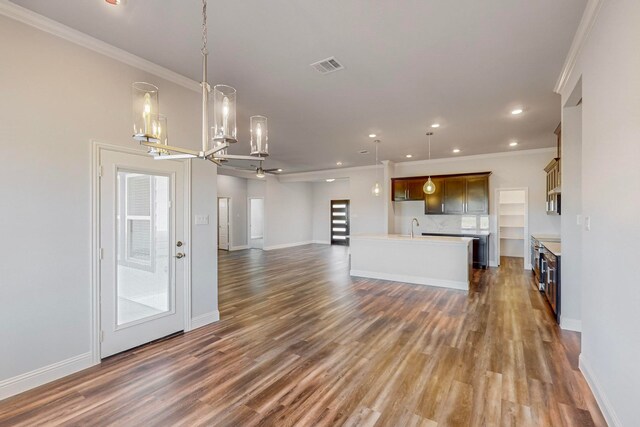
x,y
464,64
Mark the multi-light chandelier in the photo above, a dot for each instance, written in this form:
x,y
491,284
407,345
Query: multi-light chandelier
x,y
218,120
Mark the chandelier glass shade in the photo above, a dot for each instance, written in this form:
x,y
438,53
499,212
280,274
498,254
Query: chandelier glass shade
x,y
259,136
223,108
376,190
145,109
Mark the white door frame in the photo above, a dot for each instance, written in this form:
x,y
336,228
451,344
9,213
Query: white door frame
x,y
496,209
249,221
229,222
96,149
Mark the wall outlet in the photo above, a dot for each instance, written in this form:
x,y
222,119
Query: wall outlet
x,y
202,219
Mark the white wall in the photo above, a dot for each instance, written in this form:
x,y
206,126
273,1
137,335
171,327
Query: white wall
x,y
515,169
609,66
571,267
287,214
367,211
323,193
56,98
236,189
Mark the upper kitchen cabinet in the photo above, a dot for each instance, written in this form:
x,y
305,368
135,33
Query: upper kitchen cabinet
x,y
405,189
455,195
434,203
554,179
477,202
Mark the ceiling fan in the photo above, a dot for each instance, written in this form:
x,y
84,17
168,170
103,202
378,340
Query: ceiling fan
x,y
260,171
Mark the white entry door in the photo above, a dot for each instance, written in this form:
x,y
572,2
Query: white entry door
x,y
142,245
223,223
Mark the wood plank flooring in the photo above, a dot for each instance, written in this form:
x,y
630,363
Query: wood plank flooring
x,y
302,343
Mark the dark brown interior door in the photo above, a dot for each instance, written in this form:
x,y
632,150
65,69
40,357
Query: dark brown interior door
x,y
340,222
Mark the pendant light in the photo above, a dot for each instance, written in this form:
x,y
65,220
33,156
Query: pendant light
x,y
429,187
376,190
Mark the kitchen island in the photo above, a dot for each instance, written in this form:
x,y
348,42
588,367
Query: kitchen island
x,y
425,260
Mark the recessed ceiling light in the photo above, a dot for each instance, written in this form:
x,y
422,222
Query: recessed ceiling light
x,y
363,151
435,125
516,111
338,163
330,179
280,170
513,144
408,156
372,135
456,150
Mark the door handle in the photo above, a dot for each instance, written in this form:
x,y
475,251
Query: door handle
x,y
180,255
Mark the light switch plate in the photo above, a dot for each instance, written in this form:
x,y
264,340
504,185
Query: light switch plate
x,y
578,219
202,219
587,223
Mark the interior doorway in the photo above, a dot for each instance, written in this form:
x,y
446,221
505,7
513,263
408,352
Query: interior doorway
x,y
256,223
340,227
513,224
224,204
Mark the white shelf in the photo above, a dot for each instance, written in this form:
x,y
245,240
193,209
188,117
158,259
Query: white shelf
x,y
511,238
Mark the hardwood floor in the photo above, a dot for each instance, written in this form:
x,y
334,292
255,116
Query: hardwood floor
x,y
302,343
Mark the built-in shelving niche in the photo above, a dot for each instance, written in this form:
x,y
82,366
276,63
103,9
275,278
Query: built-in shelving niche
x,y
512,222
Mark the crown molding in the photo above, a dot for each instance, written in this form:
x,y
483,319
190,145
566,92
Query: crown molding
x,y
42,23
579,40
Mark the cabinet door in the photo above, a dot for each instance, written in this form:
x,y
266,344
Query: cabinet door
x,y
399,190
415,189
454,195
434,203
477,195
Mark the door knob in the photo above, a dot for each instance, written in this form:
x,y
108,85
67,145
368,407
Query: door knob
x,y
180,255
179,243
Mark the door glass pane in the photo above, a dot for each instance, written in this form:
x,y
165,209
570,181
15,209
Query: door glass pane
x,y
144,285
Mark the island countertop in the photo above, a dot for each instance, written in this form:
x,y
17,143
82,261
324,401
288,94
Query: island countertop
x,y
416,239
426,260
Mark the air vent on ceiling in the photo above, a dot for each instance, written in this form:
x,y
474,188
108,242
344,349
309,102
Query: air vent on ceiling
x,y
363,152
327,66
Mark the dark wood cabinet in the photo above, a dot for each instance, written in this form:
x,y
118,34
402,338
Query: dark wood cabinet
x,y
400,193
477,202
454,195
434,203
414,189
480,245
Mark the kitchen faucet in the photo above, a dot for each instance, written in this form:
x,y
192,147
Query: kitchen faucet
x,y
417,223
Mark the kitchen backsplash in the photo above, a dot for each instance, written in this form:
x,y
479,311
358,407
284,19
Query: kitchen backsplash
x,y
405,211
454,222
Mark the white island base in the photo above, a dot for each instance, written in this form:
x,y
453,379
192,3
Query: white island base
x,y
424,260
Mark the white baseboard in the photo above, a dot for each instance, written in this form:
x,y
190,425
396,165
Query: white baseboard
x,y
321,242
238,248
205,319
604,403
286,245
46,374
570,324
418,280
